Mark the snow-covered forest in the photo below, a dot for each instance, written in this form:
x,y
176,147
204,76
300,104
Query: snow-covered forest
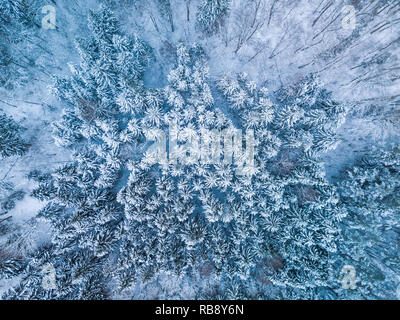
x,y
90,209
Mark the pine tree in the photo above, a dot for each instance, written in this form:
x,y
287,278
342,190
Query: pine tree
x,y
296,206
370,243
101,99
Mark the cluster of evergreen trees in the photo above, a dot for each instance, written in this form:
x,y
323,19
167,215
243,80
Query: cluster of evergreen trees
x,y
211,15
371,232
296,206
118,219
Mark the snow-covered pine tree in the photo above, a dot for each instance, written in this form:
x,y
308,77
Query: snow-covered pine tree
x,y
174,219
11,142
168,227
164,7
278,224
10,266
211,15
17,23
371,232
295,204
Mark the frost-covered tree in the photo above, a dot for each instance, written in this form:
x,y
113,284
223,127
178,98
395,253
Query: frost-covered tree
x,y
211,15
9,266
103,94
371,232
11,142
279,225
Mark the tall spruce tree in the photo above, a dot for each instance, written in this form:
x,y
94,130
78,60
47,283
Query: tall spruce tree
x,y
211,15
17,23
102,96
11,142
371,232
